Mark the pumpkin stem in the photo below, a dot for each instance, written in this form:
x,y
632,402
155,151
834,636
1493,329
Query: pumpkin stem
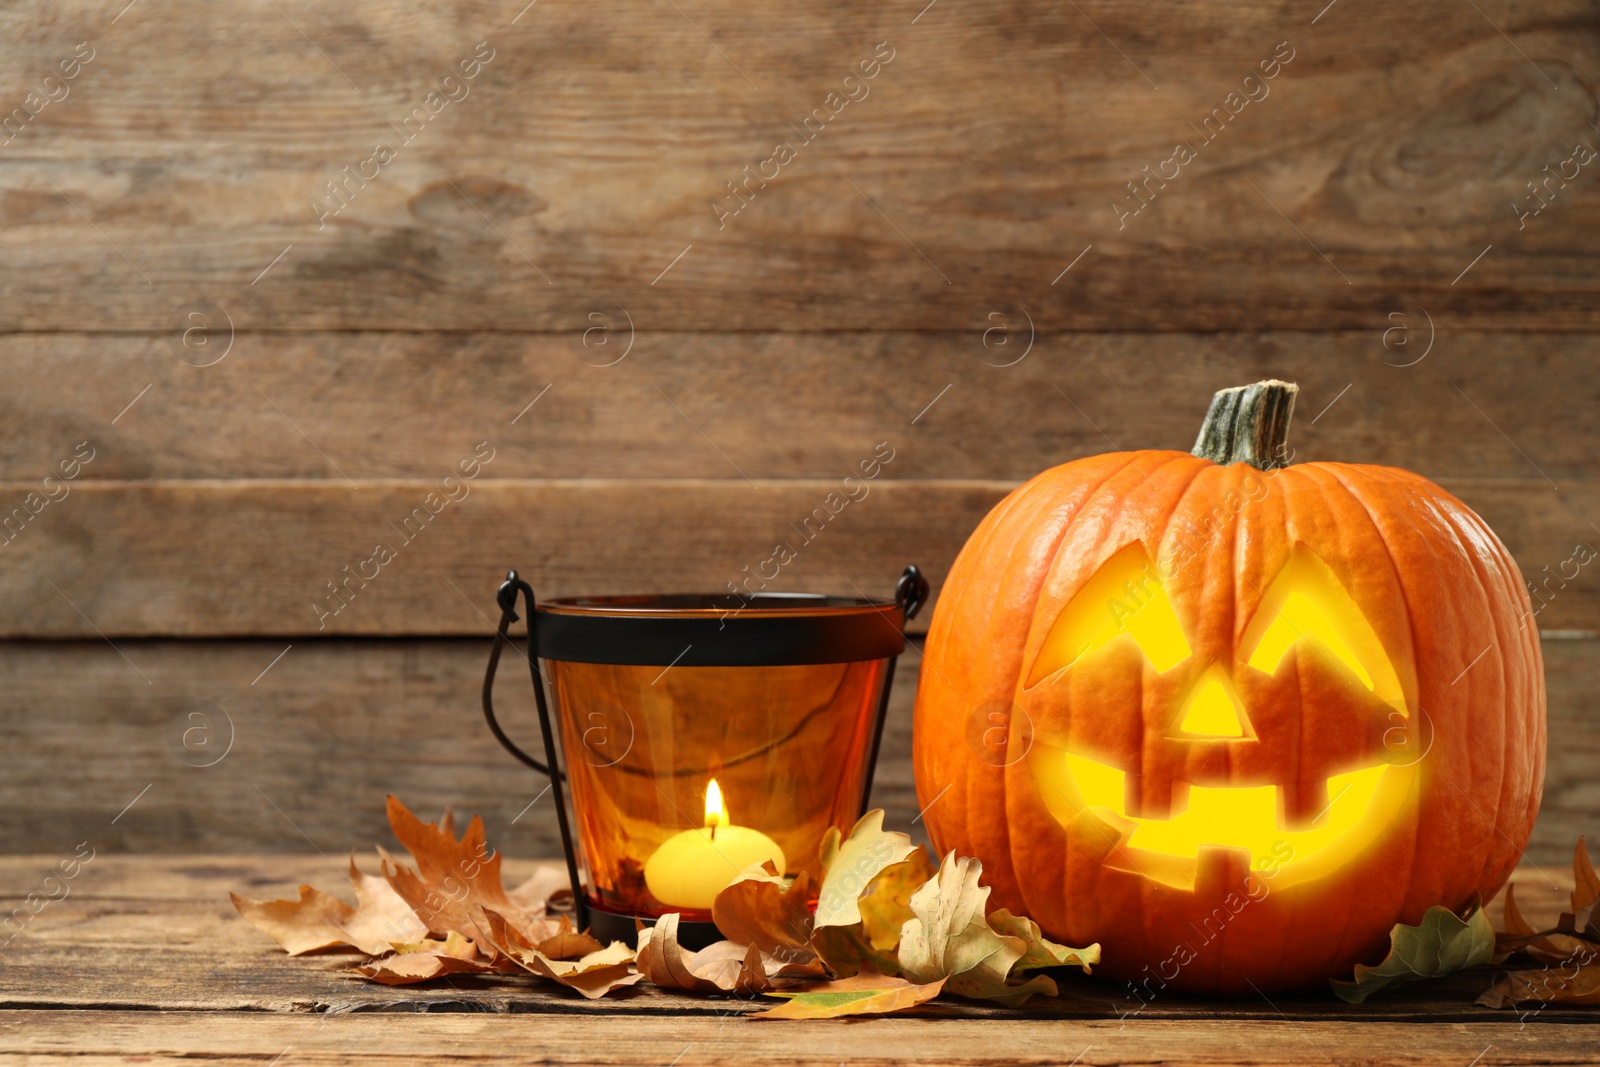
x,y
1249,424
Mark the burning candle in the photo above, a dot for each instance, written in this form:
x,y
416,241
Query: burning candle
x,y
692,867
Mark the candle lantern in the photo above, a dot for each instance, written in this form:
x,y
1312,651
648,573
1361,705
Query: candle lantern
x,y
689,737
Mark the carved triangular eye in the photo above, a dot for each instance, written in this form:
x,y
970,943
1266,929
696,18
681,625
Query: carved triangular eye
x,y
1123,601
1213,709
1307,603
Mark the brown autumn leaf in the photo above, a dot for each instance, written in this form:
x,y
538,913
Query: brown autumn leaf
x,y
758,910
464,870
567,944
318,921
1586,881
440,913
455,881
315,921
1520,935
594,974
1582,921
1511,916
547,889
455,893
455,946
723,967
1569,984
720,968
424,960
381,917
866,993
1576,935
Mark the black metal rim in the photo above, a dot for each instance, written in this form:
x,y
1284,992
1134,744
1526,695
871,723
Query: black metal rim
x,y
608,926
709,630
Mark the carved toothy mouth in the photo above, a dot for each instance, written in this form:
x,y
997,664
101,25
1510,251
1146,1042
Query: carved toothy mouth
x,y
1223,828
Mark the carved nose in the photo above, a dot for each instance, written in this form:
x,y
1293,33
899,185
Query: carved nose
x,y
1212,708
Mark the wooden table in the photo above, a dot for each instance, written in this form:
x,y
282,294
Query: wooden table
x,y
146,961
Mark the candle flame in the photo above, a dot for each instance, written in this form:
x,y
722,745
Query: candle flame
x,y
716,810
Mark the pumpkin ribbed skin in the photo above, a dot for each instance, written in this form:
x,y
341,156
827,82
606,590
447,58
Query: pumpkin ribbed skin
x,y
1437,587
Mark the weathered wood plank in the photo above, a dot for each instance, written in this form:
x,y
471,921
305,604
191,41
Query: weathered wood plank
x,y
384,405
999,143
305,752
125,554
208,559
95,1038
169,918
328,730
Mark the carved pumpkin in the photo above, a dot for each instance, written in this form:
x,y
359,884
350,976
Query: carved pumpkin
x,y
1232,720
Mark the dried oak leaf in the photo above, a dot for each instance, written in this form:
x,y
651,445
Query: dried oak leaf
x,y
1040,950
757,910
1571,984
867,881
382,916
566,944
873,943
440,914
460,868
949,938
1574,941
455,881
424,960
1586,881
318,921
849,864
866,993
720,968
1441,944
1582,921
547,889
594,974
315,921
1520,935
723,967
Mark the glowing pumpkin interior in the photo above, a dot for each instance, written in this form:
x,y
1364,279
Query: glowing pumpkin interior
x,y
1222,827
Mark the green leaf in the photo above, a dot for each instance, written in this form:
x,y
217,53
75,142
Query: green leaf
x,y
1441,944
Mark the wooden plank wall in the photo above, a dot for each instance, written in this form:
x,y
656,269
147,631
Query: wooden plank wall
x,y
260,292
212,761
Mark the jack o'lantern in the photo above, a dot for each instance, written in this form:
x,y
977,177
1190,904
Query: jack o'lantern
x,y
1230,718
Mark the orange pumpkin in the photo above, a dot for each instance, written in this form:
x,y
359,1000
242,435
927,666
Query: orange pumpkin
x,y
1230,718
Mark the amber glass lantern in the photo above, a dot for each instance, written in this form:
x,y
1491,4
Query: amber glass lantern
x,y
689,737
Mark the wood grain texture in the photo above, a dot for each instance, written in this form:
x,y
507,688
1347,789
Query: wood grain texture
x,y
95,1038
208,559
173,912
334,725
402,405
995,147
306,752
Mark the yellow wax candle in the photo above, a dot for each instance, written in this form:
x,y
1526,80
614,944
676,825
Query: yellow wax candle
x,y
692,867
